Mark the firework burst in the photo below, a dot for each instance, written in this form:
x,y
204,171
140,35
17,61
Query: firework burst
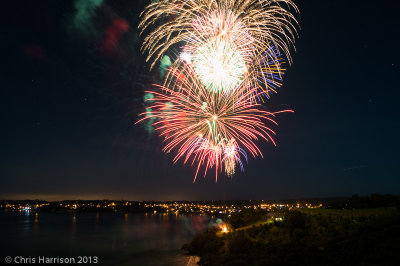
x,y
229,57
226,41
207,128
267,21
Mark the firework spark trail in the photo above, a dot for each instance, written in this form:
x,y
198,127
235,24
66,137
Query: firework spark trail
x,y
232,156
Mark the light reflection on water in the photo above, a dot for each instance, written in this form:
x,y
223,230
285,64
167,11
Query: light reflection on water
x,y
117,239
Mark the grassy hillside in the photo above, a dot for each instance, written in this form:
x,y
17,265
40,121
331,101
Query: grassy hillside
x,y
306,237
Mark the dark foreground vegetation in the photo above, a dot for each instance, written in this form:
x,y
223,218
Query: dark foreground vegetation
x,y
353,236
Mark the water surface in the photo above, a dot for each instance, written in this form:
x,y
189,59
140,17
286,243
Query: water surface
x,y
116,239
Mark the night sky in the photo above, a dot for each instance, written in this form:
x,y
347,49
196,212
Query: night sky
x,y
72,82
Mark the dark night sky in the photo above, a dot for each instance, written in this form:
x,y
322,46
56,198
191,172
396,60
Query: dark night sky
x,y
72,81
